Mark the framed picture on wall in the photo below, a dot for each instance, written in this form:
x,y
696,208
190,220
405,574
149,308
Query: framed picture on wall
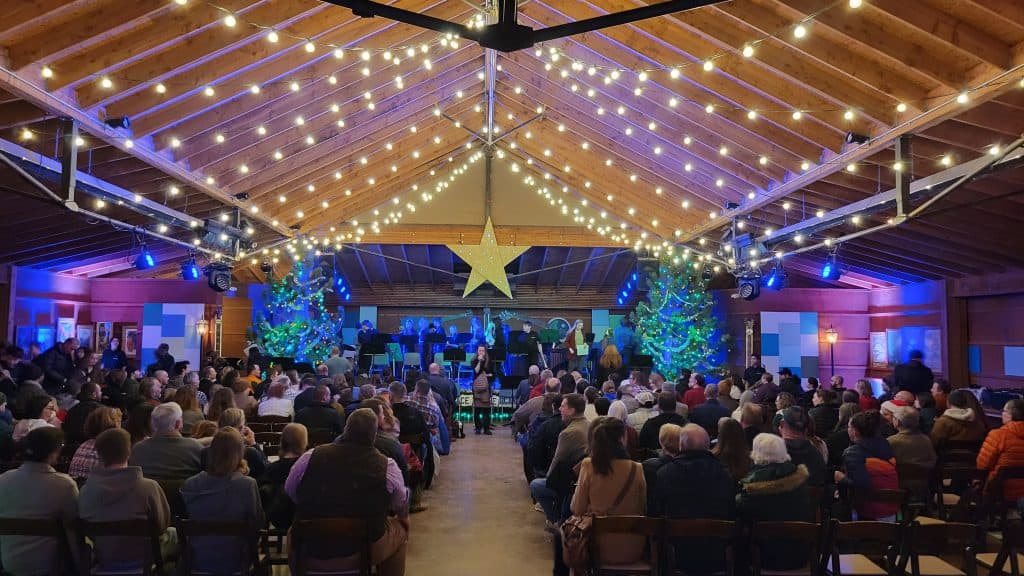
x,y
130,341
103,333
85,336
44,336
65,329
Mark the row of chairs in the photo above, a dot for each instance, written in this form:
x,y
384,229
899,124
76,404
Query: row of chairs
x,y
256,558
834,548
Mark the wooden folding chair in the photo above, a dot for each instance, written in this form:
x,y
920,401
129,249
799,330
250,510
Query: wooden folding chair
x,y
330,530
151,562
46,528
724,531
863,548
923,538
172,492
1010,552
919,483
274,421
645,526
899,498
248,561
814,536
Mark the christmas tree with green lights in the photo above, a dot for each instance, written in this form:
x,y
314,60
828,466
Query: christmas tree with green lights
x,y
295,322
677,326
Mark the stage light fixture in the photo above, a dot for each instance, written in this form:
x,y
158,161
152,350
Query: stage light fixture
x,y
855,138
119,122
777,278
266,267
831,270
189,269
749,287
219,276
145,260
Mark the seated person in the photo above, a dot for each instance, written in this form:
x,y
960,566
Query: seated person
x,y
668,415
351,478
222,493
35,490
74,423
280,508
319,415
254,457
116,491
86,458
167,455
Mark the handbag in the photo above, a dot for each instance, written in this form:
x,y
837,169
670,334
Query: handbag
x,y
578,531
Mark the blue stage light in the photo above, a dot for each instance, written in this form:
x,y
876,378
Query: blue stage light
x,y
348,296
145,260
830,270
190,270
776,279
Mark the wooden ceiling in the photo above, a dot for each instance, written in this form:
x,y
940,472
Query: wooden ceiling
x,y
637,133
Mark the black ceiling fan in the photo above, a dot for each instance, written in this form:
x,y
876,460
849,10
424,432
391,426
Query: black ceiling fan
x,y
507,35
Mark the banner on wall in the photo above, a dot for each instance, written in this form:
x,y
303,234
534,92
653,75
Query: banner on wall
x,y
174,325
879,350
790,340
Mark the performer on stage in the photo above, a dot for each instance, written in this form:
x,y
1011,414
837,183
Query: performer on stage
x,y
482,374
453,335
476,333
408,329
576,342
532,345
365,338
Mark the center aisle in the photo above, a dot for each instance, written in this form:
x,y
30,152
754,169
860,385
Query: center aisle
x,y
479,518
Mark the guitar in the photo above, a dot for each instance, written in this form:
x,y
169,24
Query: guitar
x,y
488,328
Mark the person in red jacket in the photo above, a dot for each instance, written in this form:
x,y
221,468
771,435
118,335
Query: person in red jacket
x,y
1004,447
695,395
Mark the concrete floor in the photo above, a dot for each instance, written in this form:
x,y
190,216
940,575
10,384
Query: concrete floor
x,y
480,519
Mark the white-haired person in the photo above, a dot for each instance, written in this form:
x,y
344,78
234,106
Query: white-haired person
x,y
275,403
776,490
167,455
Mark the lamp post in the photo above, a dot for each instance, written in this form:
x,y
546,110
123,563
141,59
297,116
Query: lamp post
x,y
832,336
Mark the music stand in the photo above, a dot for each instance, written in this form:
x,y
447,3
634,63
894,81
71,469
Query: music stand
x,y
408,342
643,362
453,356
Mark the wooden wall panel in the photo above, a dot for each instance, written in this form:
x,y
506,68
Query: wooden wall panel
x,y
236,318
993,323
921,304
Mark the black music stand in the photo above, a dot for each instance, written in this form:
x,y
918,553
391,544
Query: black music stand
x,y
454,356
643,362
408,343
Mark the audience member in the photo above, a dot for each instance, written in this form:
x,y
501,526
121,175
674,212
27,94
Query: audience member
x,y
668,438
409,417
571,447
116,491
619,411
912,447
790,383
611,484
806,399
140,422
351,478
793,429
1004,447
752,421
274,403
766,390
40,412
782,401
422,400
244,400
644,412
190,412
731,449
754,371
707,414
36,491
167,455
86,458
74,423
204,432
387,445
278,505
725,388
58,365
255,459
695,485
940,392
869,464
927,410
667,415
838,439
524,388
151,391
836,383
542,437
776,491
824,412
867,398
695,394
337,364
449,391
320,416
222,493
627,393
307,394
963,421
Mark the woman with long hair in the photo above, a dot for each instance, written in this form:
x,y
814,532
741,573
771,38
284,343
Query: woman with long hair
x,y
604,476
223,399
86,458
731,448
255,459
483,371
610,363
838,440
963,421
618,410
224,493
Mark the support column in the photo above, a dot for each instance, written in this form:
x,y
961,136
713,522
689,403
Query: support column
x,y
68,160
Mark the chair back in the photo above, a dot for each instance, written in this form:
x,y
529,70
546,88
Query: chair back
x,y
352,529
919,483
646,526
812,535
725,531
46,528
411,359
898,498
267,437
268,419
1013,544
151,561
189,529
318,436
936,540
172,491
439,358
876,540
260,427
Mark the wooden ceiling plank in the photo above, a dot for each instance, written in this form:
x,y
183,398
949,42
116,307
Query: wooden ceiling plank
x,y
105,21
594,253
265,170
317,117
362,267
19,113
717,89
207,45
173,26
1010,11
23,17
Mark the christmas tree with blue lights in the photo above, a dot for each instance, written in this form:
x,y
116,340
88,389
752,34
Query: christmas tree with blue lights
x,y
677,326
296,323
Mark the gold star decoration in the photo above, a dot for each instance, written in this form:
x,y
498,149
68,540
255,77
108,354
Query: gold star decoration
x,y
488,260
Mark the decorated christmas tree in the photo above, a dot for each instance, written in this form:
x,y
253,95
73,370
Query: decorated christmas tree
x,y
295,322
676,326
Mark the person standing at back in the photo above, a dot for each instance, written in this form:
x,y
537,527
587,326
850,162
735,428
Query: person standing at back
x,y
336,364
913,376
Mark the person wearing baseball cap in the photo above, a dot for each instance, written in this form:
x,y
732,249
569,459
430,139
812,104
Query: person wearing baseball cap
x,y
793,429
644,412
